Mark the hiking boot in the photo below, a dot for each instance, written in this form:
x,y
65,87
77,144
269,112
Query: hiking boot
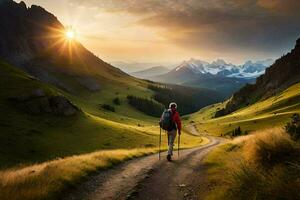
x,y
169,157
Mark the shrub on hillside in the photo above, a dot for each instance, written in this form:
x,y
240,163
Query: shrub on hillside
x,y
293,127
237,132
146,106
268,148
117,101
108,107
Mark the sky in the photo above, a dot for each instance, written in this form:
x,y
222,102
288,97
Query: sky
x,y
170,31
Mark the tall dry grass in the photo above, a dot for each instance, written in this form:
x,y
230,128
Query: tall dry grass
x,y
47,180
270,169
268,147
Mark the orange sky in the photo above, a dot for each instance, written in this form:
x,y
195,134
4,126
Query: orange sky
x,y
172,31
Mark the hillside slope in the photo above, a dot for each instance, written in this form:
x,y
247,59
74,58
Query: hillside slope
x,y
35,128
273,111
278,77
35,41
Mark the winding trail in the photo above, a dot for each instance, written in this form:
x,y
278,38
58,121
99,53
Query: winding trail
x,y
148,178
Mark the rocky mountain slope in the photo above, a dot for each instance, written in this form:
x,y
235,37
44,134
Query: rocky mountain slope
x,y
34,40
279,76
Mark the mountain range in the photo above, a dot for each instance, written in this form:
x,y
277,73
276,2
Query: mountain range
x,y
221,68
218,75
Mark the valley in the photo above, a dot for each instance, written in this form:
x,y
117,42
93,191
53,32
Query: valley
x,y
73,126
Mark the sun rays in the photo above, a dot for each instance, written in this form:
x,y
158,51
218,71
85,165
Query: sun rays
x,y
64,42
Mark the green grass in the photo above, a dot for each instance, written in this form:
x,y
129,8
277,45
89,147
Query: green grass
x,y
26,139
274,111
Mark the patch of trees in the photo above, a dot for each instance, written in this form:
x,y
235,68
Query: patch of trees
x,y
117,101
147,106
108,107
293,127
238,132
188,99
220,113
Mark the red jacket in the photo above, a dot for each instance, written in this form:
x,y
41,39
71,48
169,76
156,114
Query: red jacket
x,y
176,119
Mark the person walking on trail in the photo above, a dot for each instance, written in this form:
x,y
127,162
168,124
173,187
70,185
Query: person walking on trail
x,y
170,121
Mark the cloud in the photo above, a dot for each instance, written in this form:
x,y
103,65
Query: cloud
x,y
216,25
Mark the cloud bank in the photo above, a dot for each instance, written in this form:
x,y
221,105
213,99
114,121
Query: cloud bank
x,y
215,25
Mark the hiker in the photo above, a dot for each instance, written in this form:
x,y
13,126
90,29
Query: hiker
x,y
172,127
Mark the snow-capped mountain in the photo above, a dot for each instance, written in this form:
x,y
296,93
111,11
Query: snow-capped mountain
x,y
221,68
218,75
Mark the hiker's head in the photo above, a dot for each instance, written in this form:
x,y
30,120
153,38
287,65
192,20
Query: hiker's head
x,y
173,106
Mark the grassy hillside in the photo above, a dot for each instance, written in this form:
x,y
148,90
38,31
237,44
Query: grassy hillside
x,y
27,138
274,111
264,165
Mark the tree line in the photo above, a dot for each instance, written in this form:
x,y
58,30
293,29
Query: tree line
x,y
147,106
188,99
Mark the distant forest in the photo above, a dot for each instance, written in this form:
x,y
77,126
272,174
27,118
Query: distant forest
x,y
147,106
188,99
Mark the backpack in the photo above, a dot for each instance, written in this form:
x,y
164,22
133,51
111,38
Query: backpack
x,y
166,121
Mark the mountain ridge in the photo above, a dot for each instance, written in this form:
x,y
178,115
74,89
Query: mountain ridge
x,y
34,40
279,76
220,67
150,72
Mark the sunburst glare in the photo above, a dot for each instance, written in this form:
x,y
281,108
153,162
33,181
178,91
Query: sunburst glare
x,y
70,34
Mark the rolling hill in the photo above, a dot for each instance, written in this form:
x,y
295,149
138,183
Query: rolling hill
x,y
274,111
35,128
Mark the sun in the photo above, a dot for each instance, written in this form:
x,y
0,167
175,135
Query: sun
x,y
70,34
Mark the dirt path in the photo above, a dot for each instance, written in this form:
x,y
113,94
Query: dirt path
x,y
194,131
147,178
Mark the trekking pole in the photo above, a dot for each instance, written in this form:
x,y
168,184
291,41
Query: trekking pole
x,y
159,143
178,144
